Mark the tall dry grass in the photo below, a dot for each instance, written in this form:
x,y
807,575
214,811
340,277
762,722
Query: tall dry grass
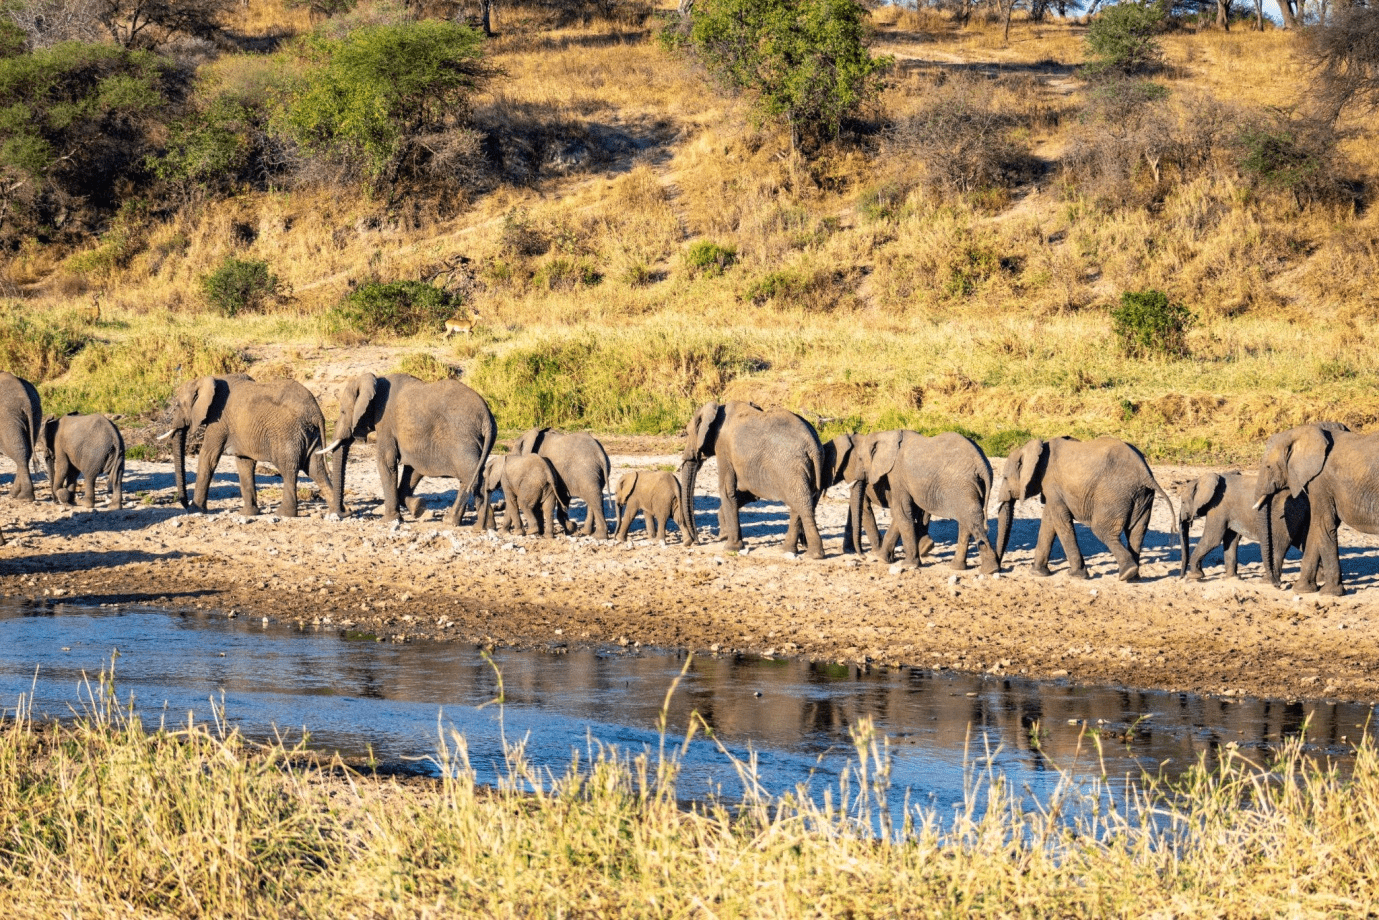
x,y
104,815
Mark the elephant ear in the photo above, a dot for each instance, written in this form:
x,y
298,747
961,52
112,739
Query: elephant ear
x,y
703,430
1306,456
1203,493
493,474
202,401
838,455
364,396
1032,457
884,449
627,482
530,442
48,433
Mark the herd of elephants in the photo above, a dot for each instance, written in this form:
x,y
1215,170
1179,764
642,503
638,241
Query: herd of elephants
x,y
1310,479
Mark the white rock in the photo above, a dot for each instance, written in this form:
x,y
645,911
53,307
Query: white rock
x,y
897,569
952,579
788,555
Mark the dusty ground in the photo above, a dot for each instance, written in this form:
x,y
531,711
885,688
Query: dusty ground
x,y
426,580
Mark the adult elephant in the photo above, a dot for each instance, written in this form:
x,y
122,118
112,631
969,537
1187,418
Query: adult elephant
x,y
581,466
1104,483
20,417
945,476
1338,470
270,421
421,429
772,456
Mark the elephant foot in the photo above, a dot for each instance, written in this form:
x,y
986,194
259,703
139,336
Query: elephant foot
x,y
1042,571
1193,575
959,564
253,511
416,506
990,567
1303,588
734,546
816,554
1131,574
1079,573
1333,590
926,546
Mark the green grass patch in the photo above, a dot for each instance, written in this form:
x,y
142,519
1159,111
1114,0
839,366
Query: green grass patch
x,y
37,348
425,366
400,308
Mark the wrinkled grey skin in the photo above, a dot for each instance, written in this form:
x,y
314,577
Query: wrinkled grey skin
x,y
421,429
655,492
1225,502
532,494
946,476
1104,483
270,421
1339,472
85,446
20,416
581,468
773,455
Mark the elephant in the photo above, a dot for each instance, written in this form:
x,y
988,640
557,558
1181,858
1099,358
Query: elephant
x,y
531,491
20,415
581,467
271,421
773,455
945,476
85,446
655,492
1104,483
1225,502
1338,470
421,429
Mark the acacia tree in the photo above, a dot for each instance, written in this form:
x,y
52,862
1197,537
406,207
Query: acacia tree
x,y
1345,58
148,23
805,60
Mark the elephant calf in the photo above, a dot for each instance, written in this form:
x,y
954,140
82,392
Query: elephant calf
x,y
1226,505
657,493
85,446
531,492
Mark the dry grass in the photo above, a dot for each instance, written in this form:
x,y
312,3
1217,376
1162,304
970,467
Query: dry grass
x,y
104,816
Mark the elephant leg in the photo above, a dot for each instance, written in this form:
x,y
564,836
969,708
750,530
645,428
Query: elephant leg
x,y
1231,542
212,446
88,488
729,524
926,542
548,507
1109,532
316,469
626,513
960,551
408,480
1328,556
248,489
1213,535
388,478
1139,526
905,525
61,471
594,522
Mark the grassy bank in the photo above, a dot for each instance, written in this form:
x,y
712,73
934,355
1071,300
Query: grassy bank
x,y
104,815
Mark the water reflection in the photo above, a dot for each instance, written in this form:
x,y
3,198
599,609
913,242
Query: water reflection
x,y
390,701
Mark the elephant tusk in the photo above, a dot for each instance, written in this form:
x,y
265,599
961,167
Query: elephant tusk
x,y
1260,503
170,432
329,448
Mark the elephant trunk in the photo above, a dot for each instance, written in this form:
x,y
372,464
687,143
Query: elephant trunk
x,y
1005,520
179,464
1184,525
338,483
689,473
1266,540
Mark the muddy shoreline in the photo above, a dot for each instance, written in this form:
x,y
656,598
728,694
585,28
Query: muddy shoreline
x,y
422,579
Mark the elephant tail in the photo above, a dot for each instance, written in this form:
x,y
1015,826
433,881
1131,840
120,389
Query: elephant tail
x,y
1167,501
472,488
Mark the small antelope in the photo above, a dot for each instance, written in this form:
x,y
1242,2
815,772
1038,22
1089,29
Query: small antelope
x,y
460,323
92,312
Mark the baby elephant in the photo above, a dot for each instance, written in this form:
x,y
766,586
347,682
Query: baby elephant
x,y
655,492
1226,505
530,491
83,446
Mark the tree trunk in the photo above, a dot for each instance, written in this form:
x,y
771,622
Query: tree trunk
x,y
486,14
1010,11
1259,15
1223,14
1285,7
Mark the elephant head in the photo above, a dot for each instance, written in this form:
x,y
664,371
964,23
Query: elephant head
x,y
872,459
361,403
47,438
701,438
493,475
1194,499
196,403
1022,478
838,453
1292,459
627,484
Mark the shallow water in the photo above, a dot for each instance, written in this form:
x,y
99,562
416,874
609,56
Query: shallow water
x,y
389,702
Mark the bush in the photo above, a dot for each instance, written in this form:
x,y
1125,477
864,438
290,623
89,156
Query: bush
x,y
806,60
239,285
425,366
1147,324
1002,442
1124,38
1344,56
37,348
562,274
1297,155
708,258
136,376
395,307
373,94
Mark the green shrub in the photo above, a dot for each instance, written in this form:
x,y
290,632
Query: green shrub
x,y
394,307
37,348
883,202
240,285
1124,38
708,258
562,274
1148,324
1001,443
806,61
968,268
781,285
425,366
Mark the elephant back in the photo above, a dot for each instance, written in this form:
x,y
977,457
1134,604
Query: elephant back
x,y
19,397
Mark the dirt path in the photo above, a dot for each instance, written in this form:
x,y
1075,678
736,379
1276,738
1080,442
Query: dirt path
x,y
425,580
